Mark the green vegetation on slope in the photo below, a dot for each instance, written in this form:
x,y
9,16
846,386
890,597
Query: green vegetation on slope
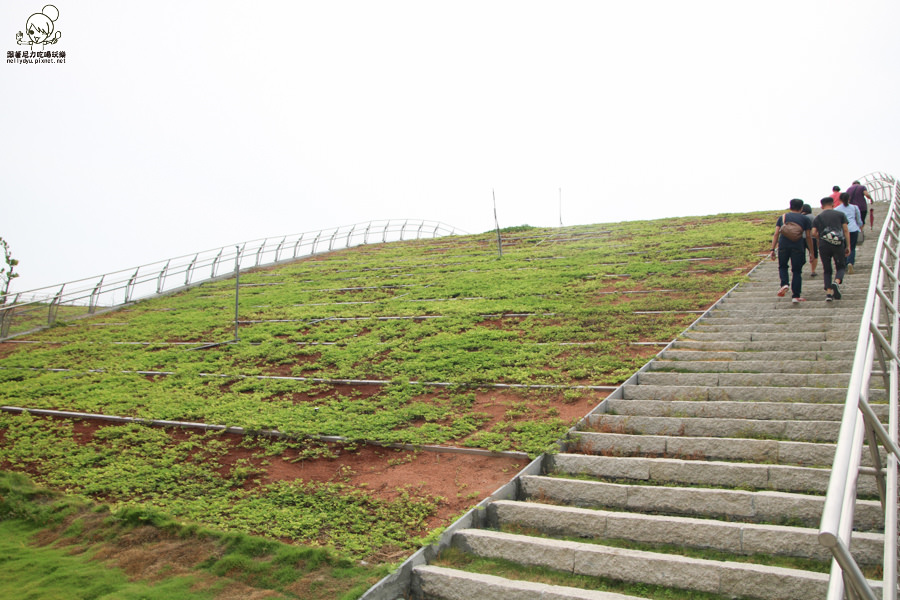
x,y
562,307
55,547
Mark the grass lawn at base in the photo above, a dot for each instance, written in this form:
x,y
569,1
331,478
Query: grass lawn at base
x,y
53,546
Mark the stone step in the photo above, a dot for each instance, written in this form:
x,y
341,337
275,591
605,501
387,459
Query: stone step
x,y
787,339
766,378
798,431
782,318
705,448
795,356
811,311
762,292
781,328
777,508
732,579
741,325
756,346
736,538
439,583
816,368
741,393
763,411
782,478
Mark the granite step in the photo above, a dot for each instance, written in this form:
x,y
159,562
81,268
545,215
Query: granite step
x,y
734,579
770,507
704,448
828,395
439,583
664,471
736,538
798,431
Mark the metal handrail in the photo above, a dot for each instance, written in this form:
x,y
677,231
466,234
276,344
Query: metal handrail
x,y
39,307
879,337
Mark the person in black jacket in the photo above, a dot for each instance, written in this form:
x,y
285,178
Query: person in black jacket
x,y
830,228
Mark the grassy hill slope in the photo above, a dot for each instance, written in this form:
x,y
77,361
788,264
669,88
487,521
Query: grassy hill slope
x,y
425,342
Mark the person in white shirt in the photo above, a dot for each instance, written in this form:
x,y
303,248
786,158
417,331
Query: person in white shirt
x,y
854,224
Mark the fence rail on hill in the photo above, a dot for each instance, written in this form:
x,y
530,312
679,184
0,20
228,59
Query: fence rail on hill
x,y
879,338
40,307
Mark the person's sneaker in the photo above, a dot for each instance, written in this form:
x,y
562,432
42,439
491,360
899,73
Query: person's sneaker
x,y
813,274
850,269
837,291
783,290
798,300
829,298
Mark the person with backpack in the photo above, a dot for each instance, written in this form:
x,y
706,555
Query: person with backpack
x,y
855,224
831,228
792,246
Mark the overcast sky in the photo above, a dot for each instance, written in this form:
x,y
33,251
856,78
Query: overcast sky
x,y
179,126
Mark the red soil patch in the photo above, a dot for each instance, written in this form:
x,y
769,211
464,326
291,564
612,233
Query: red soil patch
x,y
7,348
461,479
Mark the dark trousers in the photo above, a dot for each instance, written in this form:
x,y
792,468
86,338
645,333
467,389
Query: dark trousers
x,y
828,252
797,257
854,236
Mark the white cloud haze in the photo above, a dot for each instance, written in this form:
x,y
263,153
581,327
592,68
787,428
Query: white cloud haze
x,y
179,126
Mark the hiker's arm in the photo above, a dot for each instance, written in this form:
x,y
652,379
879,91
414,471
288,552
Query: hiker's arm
x,y
846,239
775,241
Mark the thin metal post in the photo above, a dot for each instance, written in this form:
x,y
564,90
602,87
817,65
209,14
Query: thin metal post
x,y
190,267
129,287
497,224
216,262
54,305
237,288
92,302
162,278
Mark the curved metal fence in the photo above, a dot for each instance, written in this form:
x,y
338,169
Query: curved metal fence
x,y
40,307
861,431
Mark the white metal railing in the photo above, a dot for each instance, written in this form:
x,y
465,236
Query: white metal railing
x,y
879,337
40,307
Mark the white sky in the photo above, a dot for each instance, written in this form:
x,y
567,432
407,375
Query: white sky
x,y
181,125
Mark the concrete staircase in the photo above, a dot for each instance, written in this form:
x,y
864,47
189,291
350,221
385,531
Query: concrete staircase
x,y
716,452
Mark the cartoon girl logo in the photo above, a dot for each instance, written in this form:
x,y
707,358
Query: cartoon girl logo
x,y
40,29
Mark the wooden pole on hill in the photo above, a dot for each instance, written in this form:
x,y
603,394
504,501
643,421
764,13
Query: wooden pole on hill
x,y
560,207
237,283
497,225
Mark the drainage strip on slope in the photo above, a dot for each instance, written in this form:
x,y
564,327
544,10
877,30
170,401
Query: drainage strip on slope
x,y
204,344
416,317
529,386
274,433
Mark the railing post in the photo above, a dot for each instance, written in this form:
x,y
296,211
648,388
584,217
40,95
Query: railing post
x,y
190,267
403,228
366,234
260,251
160,282
297,245
129,287
54,305
331,241
92,302
215,262
278,249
